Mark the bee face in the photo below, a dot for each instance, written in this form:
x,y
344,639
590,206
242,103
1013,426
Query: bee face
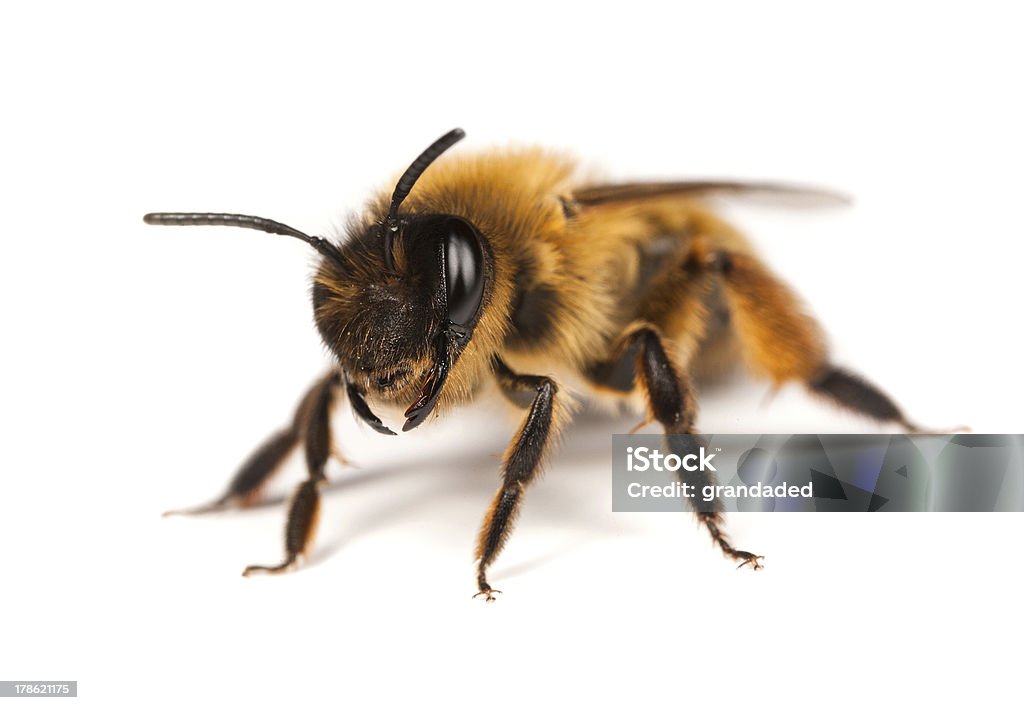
x,y
398,312
376,330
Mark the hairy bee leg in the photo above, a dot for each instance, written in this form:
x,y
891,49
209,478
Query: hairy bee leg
x,y
303,513
784,343
521,463
305,504
671,403
247,485
853,392
520,390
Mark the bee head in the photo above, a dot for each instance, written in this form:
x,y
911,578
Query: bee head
x,y
398,301
400,311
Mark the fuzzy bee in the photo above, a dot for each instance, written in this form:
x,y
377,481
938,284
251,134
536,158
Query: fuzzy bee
x,y
503,266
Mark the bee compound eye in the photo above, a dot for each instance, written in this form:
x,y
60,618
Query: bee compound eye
x,y
463,270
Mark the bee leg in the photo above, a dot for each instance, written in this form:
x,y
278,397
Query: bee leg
x,y
305,504
783,343
522,461
247,485
641,358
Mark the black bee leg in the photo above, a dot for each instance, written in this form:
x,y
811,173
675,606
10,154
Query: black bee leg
x,y
855,393
247,486
641,358
781,341
305,503
522,461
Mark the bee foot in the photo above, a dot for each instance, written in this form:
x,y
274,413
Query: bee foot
x,y
488,594
749,558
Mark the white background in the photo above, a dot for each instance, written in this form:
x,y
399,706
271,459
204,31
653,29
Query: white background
x,y
142,364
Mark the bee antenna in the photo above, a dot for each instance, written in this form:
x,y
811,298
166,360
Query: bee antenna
x,y
409,178
199,219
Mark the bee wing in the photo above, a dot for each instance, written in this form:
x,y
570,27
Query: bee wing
x,y
791,195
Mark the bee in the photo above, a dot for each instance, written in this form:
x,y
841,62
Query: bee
x,y
504,267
